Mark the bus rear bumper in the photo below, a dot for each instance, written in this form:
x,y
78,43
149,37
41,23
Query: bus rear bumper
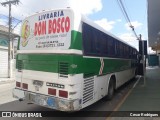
x,y
47,101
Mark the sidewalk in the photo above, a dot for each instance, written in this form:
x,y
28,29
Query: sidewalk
x,y
6,80
144,97
6,86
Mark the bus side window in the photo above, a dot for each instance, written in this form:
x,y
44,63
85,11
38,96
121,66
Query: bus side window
x,y
104,44
116,49
111,50
86,36
91,40
113,47
131,53
123,54
96,41
127,52
121,49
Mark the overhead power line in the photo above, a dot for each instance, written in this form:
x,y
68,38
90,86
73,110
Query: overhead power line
x,y
3,16
121,5
6,17
16,25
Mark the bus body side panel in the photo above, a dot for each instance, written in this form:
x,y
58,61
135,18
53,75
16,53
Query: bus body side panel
x,y
101,84
95,85
123,76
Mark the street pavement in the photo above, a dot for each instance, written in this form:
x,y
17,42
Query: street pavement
x,y
6,91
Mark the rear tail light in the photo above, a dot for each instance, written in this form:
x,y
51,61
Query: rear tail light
x,y
18,84
63,93
25,86
51,91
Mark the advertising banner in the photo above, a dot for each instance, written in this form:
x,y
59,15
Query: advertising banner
x,y
50,30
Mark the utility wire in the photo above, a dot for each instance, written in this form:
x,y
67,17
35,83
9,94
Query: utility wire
x,y
120,3
16,25
13,18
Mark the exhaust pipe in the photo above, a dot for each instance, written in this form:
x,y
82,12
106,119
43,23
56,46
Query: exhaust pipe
x,y
21,99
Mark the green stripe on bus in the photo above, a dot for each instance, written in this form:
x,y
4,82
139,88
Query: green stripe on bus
x,y
77,64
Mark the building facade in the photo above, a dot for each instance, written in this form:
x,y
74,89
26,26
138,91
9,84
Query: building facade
x,y
4,43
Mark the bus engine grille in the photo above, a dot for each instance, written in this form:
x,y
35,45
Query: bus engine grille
x,y
63,69
88,90
19,64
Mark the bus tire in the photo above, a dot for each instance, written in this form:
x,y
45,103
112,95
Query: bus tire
x,y
110,90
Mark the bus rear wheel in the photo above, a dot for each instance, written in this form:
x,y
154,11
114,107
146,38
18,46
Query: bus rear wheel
x,y
110,90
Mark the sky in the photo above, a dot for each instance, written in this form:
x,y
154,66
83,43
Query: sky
x,y
106,13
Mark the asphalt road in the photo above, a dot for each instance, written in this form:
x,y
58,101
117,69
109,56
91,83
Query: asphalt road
x,y
101,105
6,92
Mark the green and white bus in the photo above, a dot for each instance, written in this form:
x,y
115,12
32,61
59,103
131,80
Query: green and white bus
x,y
67,62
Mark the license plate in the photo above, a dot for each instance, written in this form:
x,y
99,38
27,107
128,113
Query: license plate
x,y
38,83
